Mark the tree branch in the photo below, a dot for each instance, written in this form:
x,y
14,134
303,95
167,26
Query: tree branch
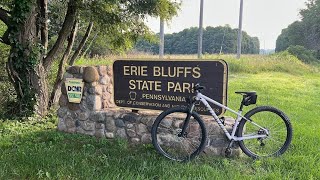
x,y
5,38
89,45
44,23
81,45
63,34
59,78
4,16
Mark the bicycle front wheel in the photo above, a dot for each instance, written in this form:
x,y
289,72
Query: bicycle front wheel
x,y
168,139
279,132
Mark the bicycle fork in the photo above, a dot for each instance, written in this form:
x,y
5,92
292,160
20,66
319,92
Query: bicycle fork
x,y
186,121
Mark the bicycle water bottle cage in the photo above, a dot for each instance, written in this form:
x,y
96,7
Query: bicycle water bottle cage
x,y
249,97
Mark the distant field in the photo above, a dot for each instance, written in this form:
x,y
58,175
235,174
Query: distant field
x,y
281,62
35,150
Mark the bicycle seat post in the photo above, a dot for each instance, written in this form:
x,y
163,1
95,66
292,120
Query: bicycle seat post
x,y
248,97
242,103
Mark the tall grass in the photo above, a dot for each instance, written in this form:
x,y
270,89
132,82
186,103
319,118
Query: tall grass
x,y
280,62
251,64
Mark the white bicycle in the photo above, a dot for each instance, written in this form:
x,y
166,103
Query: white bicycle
x,y
180,134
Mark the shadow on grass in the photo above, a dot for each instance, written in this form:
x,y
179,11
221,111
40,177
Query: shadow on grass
x,y
52,154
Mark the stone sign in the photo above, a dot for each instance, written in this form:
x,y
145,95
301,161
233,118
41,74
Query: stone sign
x,y
158,85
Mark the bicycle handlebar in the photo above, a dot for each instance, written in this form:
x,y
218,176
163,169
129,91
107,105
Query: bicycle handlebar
x,y
198,87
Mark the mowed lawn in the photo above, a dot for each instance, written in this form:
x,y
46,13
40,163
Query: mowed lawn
x,y
35,150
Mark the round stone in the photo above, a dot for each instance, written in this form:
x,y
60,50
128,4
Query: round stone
x,y
83,116
110,125
121,133
145,119
63,100
141,129
99,126
73,106
131,133
91,90
80,130
178,124
78,76
109,135
135,140
87,125
100,133
102,70
70,123
74,69
62,111
62,125
129,126
98,90
90,74
67,75
110,88
166,123
146,138
119,123
97,117
130,117
109,70
105,80
83,106
106,96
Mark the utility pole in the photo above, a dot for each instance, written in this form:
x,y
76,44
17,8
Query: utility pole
x,y
161,46
240,30
224,34
200,30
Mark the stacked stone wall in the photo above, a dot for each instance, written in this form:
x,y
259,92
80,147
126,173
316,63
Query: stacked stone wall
x,y
98,116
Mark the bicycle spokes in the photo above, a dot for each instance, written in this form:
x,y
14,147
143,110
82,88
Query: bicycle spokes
x,y
273,127
174,143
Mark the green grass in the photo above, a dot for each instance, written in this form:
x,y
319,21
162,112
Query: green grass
x,y
35,150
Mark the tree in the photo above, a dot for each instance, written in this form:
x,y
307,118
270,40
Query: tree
x,y
294,34
222,38
305,32
30,59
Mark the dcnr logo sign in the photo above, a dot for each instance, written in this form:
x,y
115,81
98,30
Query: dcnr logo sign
x,y
74,89
154,84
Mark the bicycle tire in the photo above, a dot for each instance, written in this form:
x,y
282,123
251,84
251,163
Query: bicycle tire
x,y
265,116
163,139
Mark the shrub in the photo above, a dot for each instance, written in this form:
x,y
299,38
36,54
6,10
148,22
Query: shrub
x,y
305,55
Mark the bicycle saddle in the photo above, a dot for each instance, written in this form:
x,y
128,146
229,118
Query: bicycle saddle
x,y
247,93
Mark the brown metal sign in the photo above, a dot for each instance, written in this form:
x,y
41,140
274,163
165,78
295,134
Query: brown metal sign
x,y
159,85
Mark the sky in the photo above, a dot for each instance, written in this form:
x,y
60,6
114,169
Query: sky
x,y
261,18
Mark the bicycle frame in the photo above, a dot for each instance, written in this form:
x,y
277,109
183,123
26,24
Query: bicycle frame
x,y
204,99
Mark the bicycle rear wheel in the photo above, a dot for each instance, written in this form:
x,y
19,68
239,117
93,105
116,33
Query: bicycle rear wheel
x,y
278,126
168,140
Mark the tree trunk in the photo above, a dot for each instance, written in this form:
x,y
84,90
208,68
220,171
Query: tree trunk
x,y
57,85
81,45
25,67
